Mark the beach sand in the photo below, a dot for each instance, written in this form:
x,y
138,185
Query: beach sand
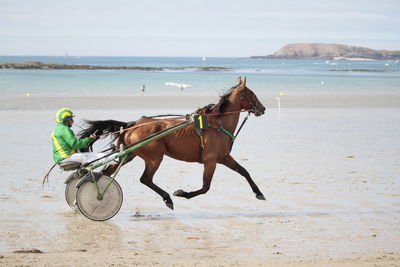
x,y
328,166
190,103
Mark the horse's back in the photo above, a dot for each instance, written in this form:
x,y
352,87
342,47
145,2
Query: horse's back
x,y
181,145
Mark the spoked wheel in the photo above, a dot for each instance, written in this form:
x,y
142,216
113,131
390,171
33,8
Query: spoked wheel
x,y
97,209
70,189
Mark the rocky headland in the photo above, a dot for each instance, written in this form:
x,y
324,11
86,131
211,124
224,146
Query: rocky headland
x,y
51,66
331,51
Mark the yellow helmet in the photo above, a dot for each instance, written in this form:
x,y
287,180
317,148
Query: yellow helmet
x,y
63,114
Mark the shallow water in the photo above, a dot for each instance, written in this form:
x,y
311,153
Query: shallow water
x,y
264,76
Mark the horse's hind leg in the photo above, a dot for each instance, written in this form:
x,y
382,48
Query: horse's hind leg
x,y
113,167
209,168
232,164
152,165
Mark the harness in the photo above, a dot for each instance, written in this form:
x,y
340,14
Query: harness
x,y
238,131
201,124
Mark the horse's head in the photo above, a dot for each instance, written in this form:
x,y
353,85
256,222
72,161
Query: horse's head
x,y
248,99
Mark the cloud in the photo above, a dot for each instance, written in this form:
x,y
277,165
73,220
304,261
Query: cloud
x,y
199,24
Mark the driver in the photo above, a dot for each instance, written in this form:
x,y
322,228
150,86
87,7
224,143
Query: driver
x,y
65,143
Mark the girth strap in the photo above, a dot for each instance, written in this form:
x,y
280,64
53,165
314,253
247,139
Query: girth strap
x,y
200,125
200,133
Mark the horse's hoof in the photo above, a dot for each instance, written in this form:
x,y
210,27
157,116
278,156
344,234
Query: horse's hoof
x,y
179,193
169,204
260,197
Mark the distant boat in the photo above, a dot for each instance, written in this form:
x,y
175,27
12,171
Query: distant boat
x,y
66,55
203,58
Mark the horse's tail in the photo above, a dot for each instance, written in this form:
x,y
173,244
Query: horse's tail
x,y
102,127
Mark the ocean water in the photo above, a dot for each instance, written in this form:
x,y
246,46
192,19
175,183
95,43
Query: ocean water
x,y
264,76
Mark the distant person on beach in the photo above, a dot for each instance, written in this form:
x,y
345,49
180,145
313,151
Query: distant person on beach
x,y
143,88
65,143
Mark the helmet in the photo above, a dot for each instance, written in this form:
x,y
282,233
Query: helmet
x,y
63,114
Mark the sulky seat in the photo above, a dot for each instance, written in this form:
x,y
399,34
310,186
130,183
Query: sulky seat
x,y
70,166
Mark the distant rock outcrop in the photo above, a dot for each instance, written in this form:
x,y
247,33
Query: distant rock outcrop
x,y
51,66
331,51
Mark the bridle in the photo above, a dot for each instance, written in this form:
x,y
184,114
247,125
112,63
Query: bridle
x,y
255,107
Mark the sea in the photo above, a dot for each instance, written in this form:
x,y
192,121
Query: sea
x,y
181,77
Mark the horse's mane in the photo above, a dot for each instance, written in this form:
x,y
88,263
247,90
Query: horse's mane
x,y
101,127
219,107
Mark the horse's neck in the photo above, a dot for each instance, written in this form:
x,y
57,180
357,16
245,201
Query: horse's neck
x,y
230,120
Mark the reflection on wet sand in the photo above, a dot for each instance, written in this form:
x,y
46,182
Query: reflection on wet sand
x,y
79,233
226,215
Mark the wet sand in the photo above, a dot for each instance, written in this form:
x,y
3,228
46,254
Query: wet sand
x,y
330,176
191,103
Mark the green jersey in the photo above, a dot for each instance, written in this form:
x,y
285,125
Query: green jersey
x,y
65,142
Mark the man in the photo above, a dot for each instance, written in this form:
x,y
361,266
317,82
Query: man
x,y
65,144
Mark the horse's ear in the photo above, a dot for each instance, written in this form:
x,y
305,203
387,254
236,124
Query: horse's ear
x,y
239,80
244,81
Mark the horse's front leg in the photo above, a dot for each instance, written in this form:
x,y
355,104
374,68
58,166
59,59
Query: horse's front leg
x,y
232,164
209,168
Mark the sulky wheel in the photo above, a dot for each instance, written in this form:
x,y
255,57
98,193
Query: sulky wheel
x,y
99,209
70,189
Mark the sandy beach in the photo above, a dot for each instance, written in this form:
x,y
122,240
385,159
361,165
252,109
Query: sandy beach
x,y
327,164
190,103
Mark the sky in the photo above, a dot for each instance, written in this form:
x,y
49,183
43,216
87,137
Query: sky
x,y
211,28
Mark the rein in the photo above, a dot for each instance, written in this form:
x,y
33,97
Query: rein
x,y
176,118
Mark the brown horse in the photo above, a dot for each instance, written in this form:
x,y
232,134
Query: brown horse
x,y
185,144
